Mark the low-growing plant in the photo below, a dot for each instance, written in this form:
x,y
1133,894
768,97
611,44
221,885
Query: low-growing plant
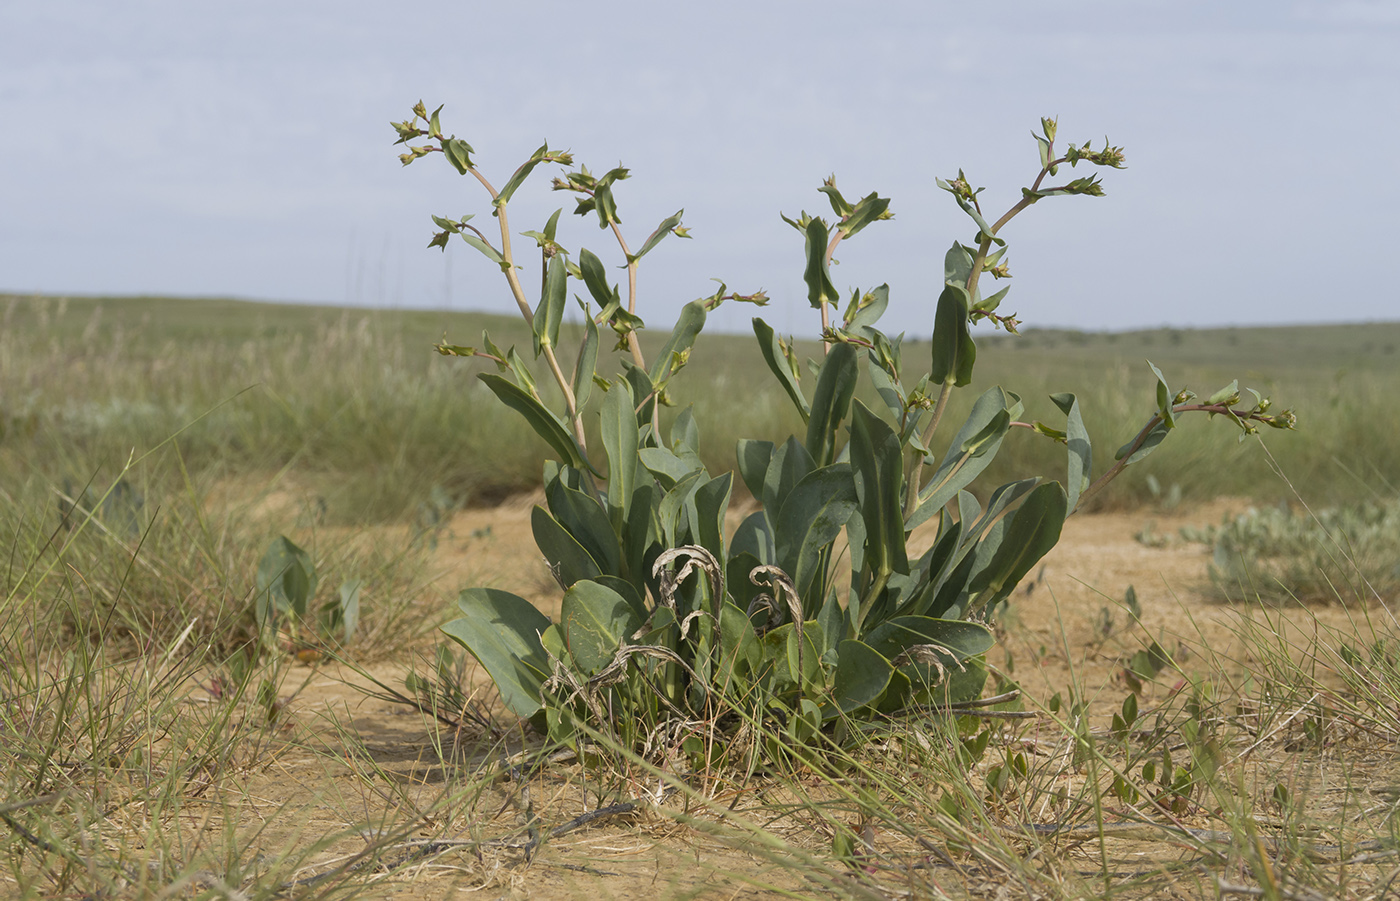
x,y
676,636
1280,555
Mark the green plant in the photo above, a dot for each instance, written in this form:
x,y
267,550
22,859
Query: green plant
x,y
283,606
1279,555
670,629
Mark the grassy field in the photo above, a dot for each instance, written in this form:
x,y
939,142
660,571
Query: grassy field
x,y
357,407
154,745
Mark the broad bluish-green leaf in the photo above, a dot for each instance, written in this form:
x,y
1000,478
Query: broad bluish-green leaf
x,y
861,677
933,568
736,576
777,362
643,392
568,559
971,451
954,351
587,522
866,310
587,362
1149,444
811,517
779,649
1033,531
619,426
789,465
662,230
754,536
518,177
961,638
878,461
957,265
835,622
740,654
628,591
886,387
1081,452
1164,397
711,503
458,153
672,511
835,387
603,202
486,249
595,619
550,312
677,347
668,467
641,537
869,209
544,422
595,278
502,631
819,287
685,433
753,457
286,581
1229,394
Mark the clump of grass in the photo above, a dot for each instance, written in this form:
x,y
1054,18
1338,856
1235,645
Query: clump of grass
x,y
1279,554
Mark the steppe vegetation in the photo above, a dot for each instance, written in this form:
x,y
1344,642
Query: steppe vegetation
x,y
148,749
225,528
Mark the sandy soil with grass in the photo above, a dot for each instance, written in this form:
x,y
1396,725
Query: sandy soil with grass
x,y
353,757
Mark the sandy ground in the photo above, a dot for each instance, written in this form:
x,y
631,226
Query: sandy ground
x,y
359,756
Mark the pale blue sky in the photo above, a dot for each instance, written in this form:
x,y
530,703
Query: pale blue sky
x,y
244,148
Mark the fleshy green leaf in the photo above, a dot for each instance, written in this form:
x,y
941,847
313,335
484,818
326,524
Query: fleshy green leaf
x,y
954,352
587,363
544,422
789,465
819,287
877,458
568,559
595,619
972,450
619,425
812,516
773,355
458,153
1164,398
1081,453
711,503
595,278
518,177
286,582
487,250
550,312
862,675
665,228
836,385
676,350
502,631
753,458
583,518
871,208
1034,530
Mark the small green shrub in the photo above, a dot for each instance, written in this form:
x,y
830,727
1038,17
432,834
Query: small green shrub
x,y
673,631
1279,555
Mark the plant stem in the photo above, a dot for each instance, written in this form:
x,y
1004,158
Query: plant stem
x,y
570,401
1122,462
973,277
633,342
826,319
